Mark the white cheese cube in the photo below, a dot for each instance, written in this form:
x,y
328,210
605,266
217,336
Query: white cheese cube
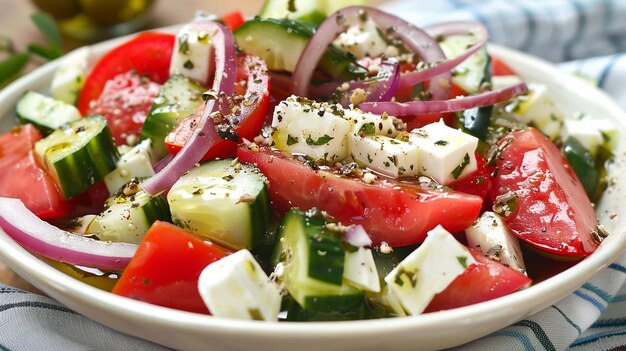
x,y
192,56
68,79
499,82
236,287
428,270
135,163
609,132
362,39
365,123
359,269
446,154
584,131
538,109
393,157
490,235
309,128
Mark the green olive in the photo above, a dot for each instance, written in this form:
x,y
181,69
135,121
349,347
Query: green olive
x,y
108,12
60,9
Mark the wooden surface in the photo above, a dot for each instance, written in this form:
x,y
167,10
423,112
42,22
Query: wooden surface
x,y
15,24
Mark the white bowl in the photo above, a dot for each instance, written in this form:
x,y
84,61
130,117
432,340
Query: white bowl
x,y
184,330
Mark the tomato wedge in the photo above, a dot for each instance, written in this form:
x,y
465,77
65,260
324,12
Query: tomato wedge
x,y
166,268
22,177
398,213
147,54
499,68
476,183
550,209
233,20
125,103
253,79
484,281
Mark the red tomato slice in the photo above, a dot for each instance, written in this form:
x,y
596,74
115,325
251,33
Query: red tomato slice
x,y
23,179
253,84
476,183
166,268
125,103
552,212
499,68
398,213
148,54
484,281
233,20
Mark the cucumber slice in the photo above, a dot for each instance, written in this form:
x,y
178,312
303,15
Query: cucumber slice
x,y
474,71
45,113
127,218
313,258
79,154
314,11
178,98
303,10
225,203
280,42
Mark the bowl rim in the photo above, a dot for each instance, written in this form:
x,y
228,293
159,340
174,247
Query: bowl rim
x,y
45,276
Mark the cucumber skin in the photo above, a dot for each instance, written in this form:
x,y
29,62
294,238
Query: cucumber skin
x,y
44,129
335,62
318,239
77,172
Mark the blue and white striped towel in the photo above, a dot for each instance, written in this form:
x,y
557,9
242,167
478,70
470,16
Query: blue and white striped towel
x,y
593,32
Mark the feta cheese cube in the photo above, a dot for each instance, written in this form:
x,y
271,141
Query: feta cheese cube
x,y
359,269
365,123
499,82
135,163
385,155
609,132
309,128
362,39
428,270
68,79
236,287
584,131
591,132
538,109
446,154
491,236
192,55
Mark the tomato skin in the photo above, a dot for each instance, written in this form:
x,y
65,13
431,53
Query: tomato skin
x,y
166,268
148,54
22,177
398,213
484,281
233,20
499,68
125,103
552,212
253,71
476,183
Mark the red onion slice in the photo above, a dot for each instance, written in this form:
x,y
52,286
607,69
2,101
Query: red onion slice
x,y
357,236
224,82
411,108
413,38
47,240
412,78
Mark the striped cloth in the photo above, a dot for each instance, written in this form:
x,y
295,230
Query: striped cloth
x,y
591,36
593,318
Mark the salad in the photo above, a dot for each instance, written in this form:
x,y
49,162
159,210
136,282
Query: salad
x,y
307,164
